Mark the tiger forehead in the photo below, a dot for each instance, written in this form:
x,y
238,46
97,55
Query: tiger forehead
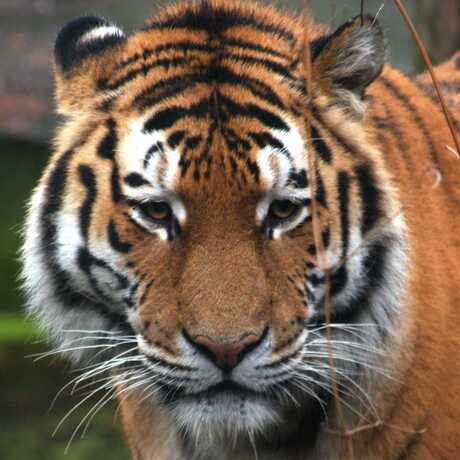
x,y
215,95
195,36
246,50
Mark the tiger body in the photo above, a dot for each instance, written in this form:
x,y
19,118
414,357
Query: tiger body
x,y
226,299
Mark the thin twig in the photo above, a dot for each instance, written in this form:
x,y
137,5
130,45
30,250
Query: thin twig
x,y
322,257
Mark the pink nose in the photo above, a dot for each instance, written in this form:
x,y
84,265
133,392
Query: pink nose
x,y
224,354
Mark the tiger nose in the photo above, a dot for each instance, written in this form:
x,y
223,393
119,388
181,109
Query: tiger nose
x,y
226,355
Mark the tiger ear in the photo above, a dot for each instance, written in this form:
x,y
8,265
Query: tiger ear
x,y
351,58
84,52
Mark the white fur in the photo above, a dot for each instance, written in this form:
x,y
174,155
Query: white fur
x,y
161,186
275,168
42,303
101,32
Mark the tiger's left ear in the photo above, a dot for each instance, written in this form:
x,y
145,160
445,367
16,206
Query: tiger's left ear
x,y
351,58
85,52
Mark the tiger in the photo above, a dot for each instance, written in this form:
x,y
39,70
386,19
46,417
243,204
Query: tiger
x,y
256,252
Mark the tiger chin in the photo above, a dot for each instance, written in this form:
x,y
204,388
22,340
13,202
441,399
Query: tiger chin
x,y
254,267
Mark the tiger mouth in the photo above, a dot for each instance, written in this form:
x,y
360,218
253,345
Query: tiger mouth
x,y
224,389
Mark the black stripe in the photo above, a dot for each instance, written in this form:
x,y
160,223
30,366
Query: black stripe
x,y
253,169
165,118
320,146
449,87
320,190
223,75
165,89
128,299
298,179
106,148
105,85
150,152
338,280
270,65
176,138
254,47
317,45
212,75
146,291
343,199
315,279
264,116
263,139
54,193
115,184
88,179
326,237
193,142
370,198
183,46
217,20
387,126
114,239
404,99
136,180
174,230
235,142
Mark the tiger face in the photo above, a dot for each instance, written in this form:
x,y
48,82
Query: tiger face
x,y
173,238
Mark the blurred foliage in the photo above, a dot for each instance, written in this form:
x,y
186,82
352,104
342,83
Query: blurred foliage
x,y
21,163
28,387
14,328
27,421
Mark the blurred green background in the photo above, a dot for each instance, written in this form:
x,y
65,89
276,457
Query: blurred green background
x,y
27,30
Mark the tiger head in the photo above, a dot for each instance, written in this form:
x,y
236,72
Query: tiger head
x,y
206,213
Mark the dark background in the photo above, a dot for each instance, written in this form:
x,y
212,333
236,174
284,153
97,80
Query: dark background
x,y
27,31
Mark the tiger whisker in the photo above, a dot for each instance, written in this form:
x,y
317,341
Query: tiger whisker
x,y
40,356
74,433
95,412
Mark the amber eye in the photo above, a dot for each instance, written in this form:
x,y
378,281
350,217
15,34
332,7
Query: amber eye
x,y
159,211
281,210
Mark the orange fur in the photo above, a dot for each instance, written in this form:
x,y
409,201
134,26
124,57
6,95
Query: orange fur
x,y
221,279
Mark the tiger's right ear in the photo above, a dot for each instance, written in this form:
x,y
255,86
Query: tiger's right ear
x,y
85,51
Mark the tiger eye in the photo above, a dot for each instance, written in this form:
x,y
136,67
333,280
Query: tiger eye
x,y
157,210
282,209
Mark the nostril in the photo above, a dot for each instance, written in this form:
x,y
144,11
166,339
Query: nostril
x,y
226,355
